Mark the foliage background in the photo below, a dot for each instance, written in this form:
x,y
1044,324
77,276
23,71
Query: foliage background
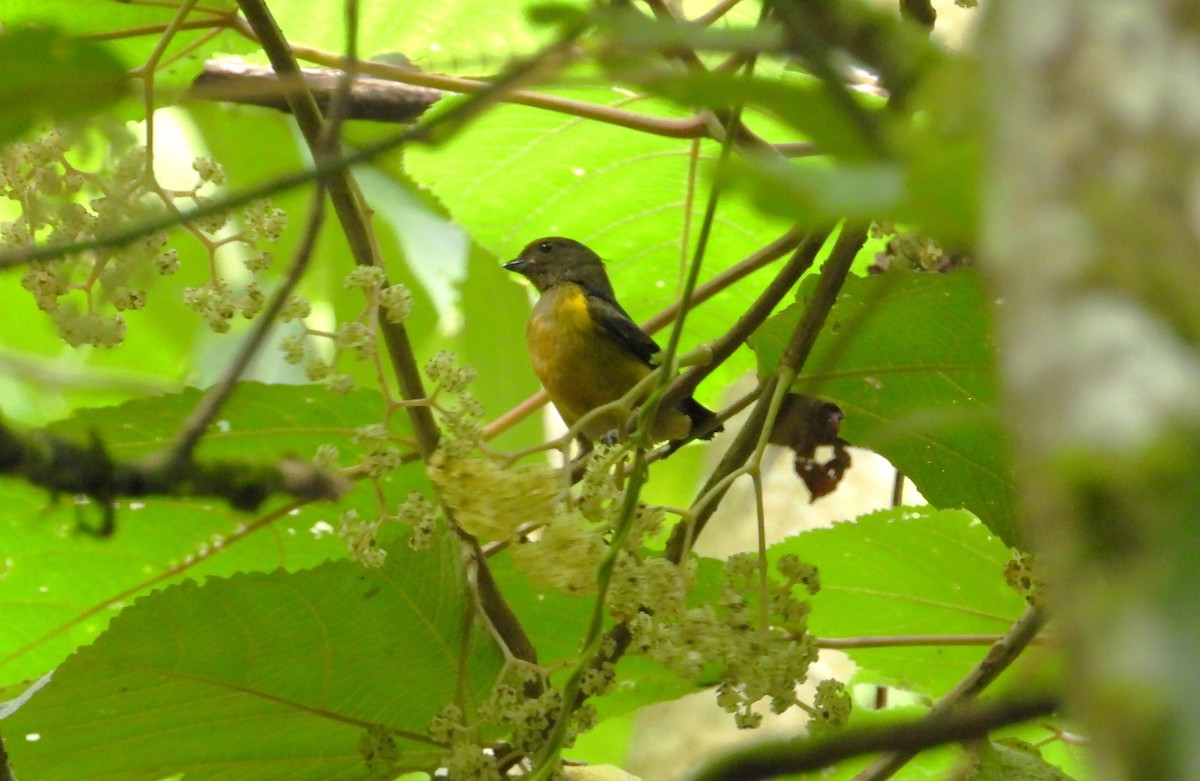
x,y
209,643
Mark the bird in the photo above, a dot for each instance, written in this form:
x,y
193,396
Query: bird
x,y
586,349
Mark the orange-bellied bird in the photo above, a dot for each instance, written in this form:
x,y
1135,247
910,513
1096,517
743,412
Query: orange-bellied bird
x,y
585,348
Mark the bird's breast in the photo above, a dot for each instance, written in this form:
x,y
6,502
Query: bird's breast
x,y
579,363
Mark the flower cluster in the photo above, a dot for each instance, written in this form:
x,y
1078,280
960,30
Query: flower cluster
x,y
87,294
380,455
522,706
419,514
565,555
360,538
494,503
757,642
357,336
831,706
1024,576
574,539
911,251
377,747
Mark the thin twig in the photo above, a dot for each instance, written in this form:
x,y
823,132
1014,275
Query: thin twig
x,y
348,203
219,21
998,658
775,758
716,12
898,489
5,768
724,346
833,274
691,127
210,406
593,643
907,641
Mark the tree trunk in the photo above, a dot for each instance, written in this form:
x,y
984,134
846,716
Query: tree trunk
x,y
1091,241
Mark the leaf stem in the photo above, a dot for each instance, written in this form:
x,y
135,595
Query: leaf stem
x,y
998,658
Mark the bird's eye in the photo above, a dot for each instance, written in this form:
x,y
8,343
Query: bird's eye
x,y
545,246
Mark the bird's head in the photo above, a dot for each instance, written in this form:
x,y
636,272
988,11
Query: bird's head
x,y
553,260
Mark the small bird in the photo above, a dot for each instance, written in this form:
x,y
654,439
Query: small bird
x,y
586,349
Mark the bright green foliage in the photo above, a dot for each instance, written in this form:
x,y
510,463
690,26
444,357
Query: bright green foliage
x,y
47,74
877,580
202,642
250,675
62,586
1011,761
97,18
910,359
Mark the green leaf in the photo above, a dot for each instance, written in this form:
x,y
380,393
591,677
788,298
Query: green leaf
x,y
47,74
134,30
943,155
61,587
557,623
909,571
910,359
1011,760
466,36
802,103
814,191
261,676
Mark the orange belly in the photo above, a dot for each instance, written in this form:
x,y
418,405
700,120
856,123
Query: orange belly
x,y
580,364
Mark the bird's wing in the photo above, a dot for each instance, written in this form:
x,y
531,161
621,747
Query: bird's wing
x,y
616,321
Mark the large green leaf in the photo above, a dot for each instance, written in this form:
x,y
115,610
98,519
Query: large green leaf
x,y
910,359
262,676
909,571
61,587
468,36
133,30
47,75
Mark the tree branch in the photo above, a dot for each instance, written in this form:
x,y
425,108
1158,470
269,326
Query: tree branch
x,y
234,81
65,467
1002,654
771,759
907,641
833,274
348,203
724,347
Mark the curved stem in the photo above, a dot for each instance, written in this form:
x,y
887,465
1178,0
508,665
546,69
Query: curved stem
x,y
776,758
751,437
998,658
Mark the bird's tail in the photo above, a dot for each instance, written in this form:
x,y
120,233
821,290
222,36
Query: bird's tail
x,y
705,424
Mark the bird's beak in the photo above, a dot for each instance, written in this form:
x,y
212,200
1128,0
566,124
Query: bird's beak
x,y
519,265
